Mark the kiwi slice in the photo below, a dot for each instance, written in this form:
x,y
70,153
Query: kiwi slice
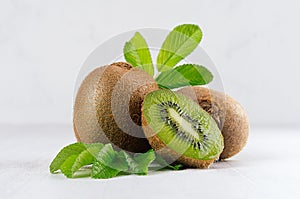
x,y
108,104
179,129
229,114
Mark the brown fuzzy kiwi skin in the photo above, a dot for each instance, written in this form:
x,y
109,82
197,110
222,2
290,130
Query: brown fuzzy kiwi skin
x,y
94,115
229,114
169,154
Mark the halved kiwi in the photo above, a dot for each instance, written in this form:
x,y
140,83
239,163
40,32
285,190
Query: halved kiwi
x,y
179,129
108,104
231,117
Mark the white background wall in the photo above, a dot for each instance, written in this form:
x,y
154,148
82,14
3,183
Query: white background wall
x,y
255,45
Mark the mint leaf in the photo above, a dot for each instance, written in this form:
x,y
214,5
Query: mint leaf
x,y
74,156
180,42
112,167
136,52
121,161
106,154
138,164
176,167
109,165
77,161
113,159
101,171
104,166
104,160
131,164
184,75
65,153
141,162
66,167
162,162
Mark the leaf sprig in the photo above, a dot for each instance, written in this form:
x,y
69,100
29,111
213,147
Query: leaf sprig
x,y
102,161
179,43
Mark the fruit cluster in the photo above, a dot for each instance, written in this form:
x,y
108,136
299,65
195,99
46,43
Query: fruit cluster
x,y
123,105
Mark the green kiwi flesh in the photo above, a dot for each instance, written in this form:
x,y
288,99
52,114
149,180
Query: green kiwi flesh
x,y
229,114
178,128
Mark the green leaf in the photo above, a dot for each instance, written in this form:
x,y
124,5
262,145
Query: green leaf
x,y
64,154
121,161
141,162
162,162
112,167
110,164
138,164
184,75
66,167
136,52
77,161
101,171
131,164
103,166
176,167
180,42
106,154
104,160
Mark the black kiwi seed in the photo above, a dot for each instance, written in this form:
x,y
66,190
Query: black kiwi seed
x,y
175,126
228,113
180,131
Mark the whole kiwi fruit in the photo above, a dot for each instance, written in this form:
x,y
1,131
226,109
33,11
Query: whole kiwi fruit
x,y
108,104
180,130
229,114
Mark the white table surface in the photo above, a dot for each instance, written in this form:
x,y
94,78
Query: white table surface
x,y
269,167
